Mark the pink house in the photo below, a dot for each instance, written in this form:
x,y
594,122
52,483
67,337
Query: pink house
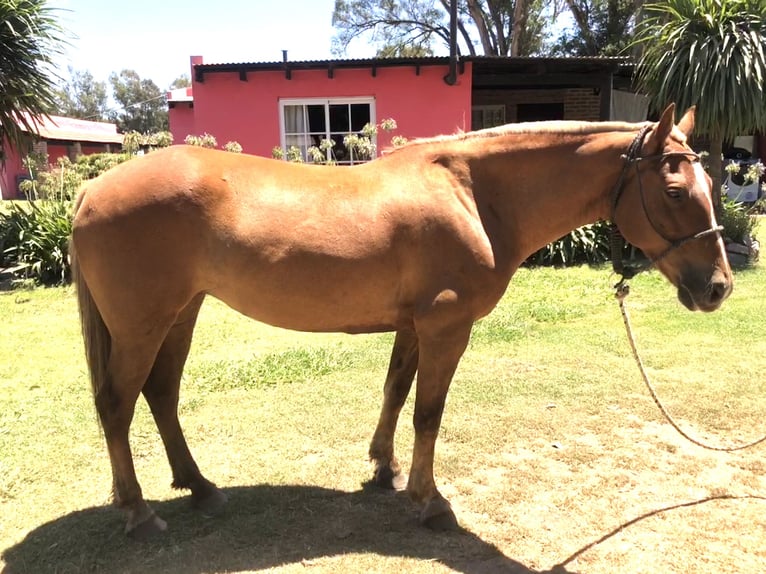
x,y
58,137
262,105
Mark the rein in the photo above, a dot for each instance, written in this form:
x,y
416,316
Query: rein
x,y
628,272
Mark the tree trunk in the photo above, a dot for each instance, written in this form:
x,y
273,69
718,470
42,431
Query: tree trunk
x,y
715,166
481,26
581,19
519,26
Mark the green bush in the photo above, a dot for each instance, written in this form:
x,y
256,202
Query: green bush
x,y
738,221
34,234
34,237
588,244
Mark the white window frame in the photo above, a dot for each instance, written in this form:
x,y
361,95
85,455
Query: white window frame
x,y
326,102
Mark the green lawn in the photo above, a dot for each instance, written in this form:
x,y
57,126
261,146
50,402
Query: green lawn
x,y
549,442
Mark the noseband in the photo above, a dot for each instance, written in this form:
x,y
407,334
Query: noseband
x,y
616,240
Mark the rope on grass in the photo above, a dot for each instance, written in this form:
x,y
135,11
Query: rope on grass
x,y
622,292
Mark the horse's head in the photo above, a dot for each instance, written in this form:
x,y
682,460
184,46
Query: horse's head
x,y
665,208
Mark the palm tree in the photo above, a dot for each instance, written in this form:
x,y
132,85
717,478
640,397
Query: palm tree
x,y
30,39
712,54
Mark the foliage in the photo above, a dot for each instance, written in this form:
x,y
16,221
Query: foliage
x,y
34,234
234,147
205,140
602,28
134,141
708,53
81,96
737,220
142,102
588,244
182,81
361,146
30,40
34,237
412,28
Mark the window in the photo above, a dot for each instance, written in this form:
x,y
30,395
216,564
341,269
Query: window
x,y
307,123
487,117
539,112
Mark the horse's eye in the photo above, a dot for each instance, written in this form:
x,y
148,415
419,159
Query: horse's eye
x,y
675,192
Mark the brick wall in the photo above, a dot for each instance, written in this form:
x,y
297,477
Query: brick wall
x,y
579,103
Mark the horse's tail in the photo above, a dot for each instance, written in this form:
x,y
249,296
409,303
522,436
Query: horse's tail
x,y
98,341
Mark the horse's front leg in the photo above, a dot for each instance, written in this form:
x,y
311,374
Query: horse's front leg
x,y
401,372
440,352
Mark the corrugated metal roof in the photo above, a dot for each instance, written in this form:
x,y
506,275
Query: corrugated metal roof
x,y
481,64
72,129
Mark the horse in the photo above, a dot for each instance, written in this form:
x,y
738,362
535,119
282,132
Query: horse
x,y
422,241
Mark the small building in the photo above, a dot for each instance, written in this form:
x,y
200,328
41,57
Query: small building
x,y
57,137
262,105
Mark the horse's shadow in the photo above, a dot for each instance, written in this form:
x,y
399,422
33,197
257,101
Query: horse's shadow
x,y
262,527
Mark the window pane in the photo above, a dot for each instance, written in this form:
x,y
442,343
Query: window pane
x,y
339,120
339,150
316,115
360,116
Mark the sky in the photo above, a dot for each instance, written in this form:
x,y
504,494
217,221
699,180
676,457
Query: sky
x,y
156,38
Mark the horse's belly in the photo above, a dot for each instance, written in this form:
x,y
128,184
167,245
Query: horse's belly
x,y
317,298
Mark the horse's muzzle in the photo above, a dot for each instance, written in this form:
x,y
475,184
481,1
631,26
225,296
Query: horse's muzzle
x,y
709,296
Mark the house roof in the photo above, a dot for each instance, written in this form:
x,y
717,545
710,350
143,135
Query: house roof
x,y
72,129
481,64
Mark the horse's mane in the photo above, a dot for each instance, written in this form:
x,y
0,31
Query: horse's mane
x,y
559,127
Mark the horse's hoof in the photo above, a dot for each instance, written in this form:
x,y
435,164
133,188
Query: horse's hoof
x,y
438,515
212,503
148,529
388,479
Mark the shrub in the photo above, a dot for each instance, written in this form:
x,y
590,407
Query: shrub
x,y
737,220
588,244
35,236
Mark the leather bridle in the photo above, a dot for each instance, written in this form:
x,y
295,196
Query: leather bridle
x,y
632,157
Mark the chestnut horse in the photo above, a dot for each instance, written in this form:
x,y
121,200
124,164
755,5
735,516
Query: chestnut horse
x,y
422,241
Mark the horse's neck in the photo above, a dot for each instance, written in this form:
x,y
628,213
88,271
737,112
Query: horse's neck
x,y
539,192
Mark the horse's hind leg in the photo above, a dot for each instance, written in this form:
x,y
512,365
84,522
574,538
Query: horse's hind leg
x,y
161,392
129,364
401,372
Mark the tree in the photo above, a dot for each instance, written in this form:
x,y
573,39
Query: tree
x,y
142,102
82,97
30,39
182,81
712,54
503,27
602,27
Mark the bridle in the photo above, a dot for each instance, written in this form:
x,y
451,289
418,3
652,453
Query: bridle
x,y
616,240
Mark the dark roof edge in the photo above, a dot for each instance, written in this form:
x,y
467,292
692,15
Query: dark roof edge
x,y
244,67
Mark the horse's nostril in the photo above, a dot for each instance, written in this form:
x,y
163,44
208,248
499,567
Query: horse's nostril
x,y
719,291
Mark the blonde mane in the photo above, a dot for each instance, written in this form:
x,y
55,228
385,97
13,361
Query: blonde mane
x,y
548,127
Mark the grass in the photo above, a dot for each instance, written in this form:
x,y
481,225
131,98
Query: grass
x,y
550,451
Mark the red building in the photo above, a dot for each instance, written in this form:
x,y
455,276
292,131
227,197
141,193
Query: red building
x,y
266,104
57,137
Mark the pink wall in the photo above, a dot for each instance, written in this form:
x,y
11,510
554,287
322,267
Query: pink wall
x,y
182,121
248,112
55,151
12,167
9,169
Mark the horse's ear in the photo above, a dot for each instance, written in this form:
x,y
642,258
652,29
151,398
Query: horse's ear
x,y
686,124
656,142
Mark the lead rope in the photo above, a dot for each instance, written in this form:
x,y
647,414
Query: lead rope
x,y
622,290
